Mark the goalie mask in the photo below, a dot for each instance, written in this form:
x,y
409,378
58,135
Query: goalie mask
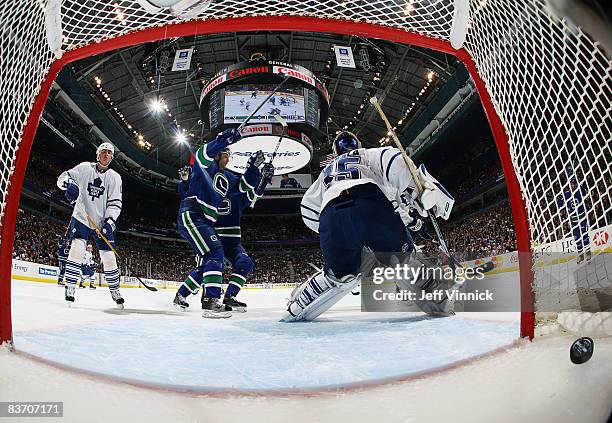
x,y
344,142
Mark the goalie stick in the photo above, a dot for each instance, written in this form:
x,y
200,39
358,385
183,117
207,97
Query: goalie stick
x,y
419,186
107,242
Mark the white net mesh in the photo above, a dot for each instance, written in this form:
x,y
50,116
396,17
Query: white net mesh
x,y
548,81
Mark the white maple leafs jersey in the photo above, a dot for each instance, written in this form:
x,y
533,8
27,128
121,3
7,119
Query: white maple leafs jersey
x,y
99,193
88,259
383,167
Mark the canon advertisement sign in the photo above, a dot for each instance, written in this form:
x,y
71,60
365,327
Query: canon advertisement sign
x,y
291,156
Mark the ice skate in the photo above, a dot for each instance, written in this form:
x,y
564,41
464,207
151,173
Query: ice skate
x,y
69,295
237,306
180,302
61,283
118,299
92,286
213,309
81,286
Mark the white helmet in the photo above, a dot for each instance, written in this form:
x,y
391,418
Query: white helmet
x,y
105,146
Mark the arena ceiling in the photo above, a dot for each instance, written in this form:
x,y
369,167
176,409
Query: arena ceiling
x,y
134,77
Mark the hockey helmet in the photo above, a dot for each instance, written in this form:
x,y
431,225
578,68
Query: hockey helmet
x,y
105,146
344,142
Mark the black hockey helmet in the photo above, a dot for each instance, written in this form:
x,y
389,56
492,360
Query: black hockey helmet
x,y
344,142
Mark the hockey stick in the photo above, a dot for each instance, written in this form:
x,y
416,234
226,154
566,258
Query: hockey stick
x,y
419,186
413,171
283,122
99,232
282,75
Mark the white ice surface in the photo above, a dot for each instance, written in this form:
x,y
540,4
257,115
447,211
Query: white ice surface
x,y
534,381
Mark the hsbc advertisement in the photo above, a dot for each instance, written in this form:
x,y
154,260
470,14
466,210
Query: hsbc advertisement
x,y
600,240
292,154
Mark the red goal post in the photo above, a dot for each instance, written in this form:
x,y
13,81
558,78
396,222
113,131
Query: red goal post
x,y
504,44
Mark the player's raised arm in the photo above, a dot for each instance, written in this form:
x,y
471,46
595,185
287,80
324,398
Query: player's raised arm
x,y
252,176
206,154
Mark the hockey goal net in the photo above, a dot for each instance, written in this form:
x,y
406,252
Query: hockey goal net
x,y
544,83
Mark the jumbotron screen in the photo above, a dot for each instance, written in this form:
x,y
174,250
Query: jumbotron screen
x,y
242,100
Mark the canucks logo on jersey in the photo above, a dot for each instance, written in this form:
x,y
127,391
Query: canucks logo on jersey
x,y
95,189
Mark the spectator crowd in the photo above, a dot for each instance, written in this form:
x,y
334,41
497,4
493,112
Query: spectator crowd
x,y
487,233
282,247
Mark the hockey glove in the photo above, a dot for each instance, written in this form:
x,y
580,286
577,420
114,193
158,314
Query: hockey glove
x,y
418,229
108,229
230,135
256,159
267,171
72,192
184,173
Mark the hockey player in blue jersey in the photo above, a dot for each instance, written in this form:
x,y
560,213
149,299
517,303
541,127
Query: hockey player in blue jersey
x,y
351,206
183,186
198,213
573,201
228,230
63,248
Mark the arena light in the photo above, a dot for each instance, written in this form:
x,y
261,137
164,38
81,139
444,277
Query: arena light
x,y
180,137
157,105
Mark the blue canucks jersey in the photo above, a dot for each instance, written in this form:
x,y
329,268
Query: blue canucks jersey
x,y
240,197
208,184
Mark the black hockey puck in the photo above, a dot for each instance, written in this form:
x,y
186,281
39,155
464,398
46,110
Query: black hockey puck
x,y
581,350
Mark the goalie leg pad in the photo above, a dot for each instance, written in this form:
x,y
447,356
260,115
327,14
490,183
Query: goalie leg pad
x,y
317,295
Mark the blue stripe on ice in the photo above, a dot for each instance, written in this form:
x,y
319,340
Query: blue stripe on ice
x,y
266,354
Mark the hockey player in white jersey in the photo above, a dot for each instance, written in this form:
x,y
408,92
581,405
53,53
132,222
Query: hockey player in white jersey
x,y
95,190
87,271
350,206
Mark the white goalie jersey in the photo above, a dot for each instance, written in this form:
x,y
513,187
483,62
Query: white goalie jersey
x,y
383,167
99,193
